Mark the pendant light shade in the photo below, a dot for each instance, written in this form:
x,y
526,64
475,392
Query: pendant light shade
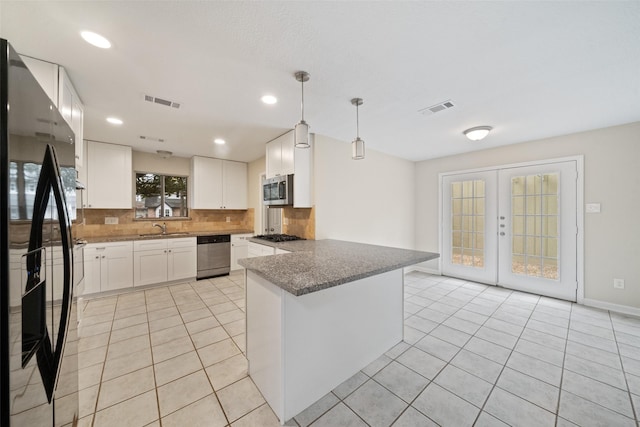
x,y
357,145
301,133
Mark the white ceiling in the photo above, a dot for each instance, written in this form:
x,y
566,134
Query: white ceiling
x,y
529,69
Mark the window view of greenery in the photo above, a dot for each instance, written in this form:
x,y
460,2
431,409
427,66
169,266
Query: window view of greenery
x,y
160,196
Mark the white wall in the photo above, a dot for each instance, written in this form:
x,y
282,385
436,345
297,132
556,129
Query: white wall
x,y
612,157
366,201
151,162
254,192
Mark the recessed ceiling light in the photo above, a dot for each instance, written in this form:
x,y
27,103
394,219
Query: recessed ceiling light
x,y
219,141
95,39
269,99
114,120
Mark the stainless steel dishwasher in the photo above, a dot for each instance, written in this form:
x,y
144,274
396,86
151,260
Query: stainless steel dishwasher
x,y
214,255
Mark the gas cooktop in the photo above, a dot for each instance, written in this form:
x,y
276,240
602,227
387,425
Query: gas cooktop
x,y
278,237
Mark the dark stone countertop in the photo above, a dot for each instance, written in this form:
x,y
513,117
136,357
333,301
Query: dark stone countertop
x,y
314,265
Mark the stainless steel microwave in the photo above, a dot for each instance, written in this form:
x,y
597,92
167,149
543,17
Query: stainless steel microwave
x,y
278,191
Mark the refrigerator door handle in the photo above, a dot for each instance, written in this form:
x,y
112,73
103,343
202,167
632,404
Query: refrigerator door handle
x,y
49,181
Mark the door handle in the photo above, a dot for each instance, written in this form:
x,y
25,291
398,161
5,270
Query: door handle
x,y
502,233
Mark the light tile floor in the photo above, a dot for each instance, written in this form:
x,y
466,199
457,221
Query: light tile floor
x,y
472,355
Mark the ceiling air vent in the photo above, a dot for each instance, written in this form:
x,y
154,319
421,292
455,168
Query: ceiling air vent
x,y
151,138
161,101
441,106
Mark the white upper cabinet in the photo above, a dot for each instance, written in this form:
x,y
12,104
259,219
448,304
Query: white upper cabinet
x,y
218,184
72,110
56,83
46,73
206,183
280,156
109,176
234,180
284,159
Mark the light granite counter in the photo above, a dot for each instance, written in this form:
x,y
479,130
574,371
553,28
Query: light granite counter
x,y
314,265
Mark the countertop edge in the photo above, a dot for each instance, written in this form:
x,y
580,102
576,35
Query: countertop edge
x,y
135,237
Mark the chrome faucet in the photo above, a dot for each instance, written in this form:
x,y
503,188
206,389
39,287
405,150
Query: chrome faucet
x,y
162,226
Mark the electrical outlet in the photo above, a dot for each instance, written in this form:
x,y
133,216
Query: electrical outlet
x,y
592,207
111,220
228,219
618,283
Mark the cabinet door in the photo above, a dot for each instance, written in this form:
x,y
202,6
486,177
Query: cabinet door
x,y
181,263
92,270
235,185
149,267
77,119
206,183
117,268
238,252
109,176
274,158
65,98
287,164
254,250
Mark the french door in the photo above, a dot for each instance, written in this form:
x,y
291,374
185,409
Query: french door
x,y
515,227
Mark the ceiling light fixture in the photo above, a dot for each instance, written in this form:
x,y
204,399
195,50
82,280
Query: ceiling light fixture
x,y
357,145
301,133
219,141
164,153
114,120
477,133
269,99
95,39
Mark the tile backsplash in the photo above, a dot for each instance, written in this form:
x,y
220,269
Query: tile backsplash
x,y
299,222
200,220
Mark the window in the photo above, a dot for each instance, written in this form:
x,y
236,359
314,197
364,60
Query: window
x,y
161,196
467,220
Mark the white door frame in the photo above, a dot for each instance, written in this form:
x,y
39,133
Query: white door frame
x,y
579,159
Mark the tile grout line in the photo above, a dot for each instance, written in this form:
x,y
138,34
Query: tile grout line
x,y
624,372
564,361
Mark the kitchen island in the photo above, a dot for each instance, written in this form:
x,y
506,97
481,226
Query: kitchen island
x,y
319,314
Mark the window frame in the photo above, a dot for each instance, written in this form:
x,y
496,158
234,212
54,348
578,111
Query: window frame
x,y
162,177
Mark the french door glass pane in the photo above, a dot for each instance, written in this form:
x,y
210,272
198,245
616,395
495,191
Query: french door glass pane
x,y
467,223
534,222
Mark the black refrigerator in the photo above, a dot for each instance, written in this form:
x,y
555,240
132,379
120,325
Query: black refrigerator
x,y
38,317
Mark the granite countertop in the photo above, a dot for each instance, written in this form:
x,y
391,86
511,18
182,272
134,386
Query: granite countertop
x,y
152,236
314,265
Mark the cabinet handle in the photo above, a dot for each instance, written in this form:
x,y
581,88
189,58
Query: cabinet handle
x,y
169,250
97,256
103,257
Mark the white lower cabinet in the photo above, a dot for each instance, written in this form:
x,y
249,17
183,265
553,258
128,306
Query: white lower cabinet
x,y
256,249
158,261
239,249
108,266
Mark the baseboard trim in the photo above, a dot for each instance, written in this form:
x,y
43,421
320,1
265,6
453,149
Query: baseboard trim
x,y
422,269
618,308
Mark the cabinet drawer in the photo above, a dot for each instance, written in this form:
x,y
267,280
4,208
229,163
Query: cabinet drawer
x,y
148,245
240,239
183,242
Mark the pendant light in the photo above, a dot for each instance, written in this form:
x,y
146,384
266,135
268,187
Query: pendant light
x,y
357,145
301,133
